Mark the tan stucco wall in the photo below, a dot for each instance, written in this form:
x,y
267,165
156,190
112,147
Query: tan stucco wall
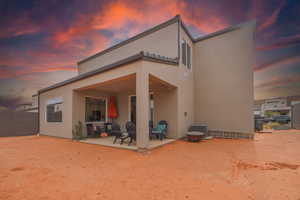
x,y
73,109
59,129
185,90
166,105
78,110
182,79
123,107
224,80
162,42
165,108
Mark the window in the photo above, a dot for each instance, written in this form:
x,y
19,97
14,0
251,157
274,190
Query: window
x,y
54,110
151,105
95,109
186,54
183,45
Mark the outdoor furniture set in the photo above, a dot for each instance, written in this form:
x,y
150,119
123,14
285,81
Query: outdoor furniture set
x,y
114,129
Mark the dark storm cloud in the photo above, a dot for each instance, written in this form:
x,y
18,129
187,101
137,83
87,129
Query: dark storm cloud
x,y
10,102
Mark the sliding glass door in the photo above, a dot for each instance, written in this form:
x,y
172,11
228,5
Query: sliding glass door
x,y
132,108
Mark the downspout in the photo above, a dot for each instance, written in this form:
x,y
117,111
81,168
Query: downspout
x,y
38,129
178,38
177,113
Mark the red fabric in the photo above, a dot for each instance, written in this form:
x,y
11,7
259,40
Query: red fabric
x,y
112,108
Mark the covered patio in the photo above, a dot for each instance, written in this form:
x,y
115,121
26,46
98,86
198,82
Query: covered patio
x,y
140,98
108,142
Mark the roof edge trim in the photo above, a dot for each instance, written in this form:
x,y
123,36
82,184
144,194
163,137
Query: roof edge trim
x,y
186,30
226,30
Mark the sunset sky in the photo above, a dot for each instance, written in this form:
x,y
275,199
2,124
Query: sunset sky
x,y
41,41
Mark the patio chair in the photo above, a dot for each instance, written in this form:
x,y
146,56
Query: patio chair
x,y
116,131
151,134
131,130
107,127
161,129
90,129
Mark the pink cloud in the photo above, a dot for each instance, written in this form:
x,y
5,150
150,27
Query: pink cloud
x,y
281,43
279,81
282,62
273,18
67,45
117,14
18,72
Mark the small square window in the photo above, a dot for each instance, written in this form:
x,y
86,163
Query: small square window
x,y
54,110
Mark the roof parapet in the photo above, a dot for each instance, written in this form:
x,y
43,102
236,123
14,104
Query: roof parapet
x,y
226,30
175,19
151,30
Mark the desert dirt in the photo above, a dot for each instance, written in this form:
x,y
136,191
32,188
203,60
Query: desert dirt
x,y
40,167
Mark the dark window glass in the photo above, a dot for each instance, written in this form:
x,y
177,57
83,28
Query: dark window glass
x,y
95,109
183,52
133,109
188,57
54,112
151,107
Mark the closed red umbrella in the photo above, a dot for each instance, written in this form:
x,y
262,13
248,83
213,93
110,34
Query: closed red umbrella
x,y
112,107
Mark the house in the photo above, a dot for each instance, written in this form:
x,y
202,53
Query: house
x,y
23,106
282,106
29,107
161,74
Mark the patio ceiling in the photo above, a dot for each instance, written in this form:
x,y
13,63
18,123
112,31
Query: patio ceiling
x,y
157,85
127,84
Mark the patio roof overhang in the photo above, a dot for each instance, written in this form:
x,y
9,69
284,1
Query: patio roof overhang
x,y
140,56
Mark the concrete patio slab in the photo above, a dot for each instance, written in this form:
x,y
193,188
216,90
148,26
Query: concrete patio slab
x,y
108,141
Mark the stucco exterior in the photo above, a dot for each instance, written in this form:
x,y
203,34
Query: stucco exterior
x,y
219,82
166,46
223,73
73,101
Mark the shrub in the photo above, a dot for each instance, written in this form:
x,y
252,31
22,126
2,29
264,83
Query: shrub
x,y
77,131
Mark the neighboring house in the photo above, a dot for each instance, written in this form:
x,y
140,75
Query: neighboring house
x,y
282,106
29,107
161,74
257,110
23,106
279,104
35,103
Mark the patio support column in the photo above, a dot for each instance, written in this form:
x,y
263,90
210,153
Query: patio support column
x,y
142,109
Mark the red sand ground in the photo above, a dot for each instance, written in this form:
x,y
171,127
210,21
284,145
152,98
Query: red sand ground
x,y
267,168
